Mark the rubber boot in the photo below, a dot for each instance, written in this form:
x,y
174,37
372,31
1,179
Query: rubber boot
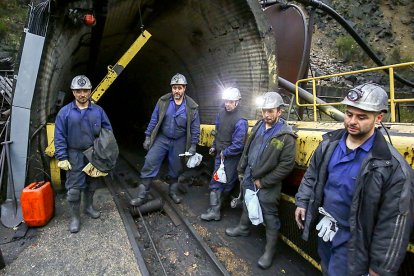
x,y
88,205
74,225
142,195
173,192
242,229
213,213
266,259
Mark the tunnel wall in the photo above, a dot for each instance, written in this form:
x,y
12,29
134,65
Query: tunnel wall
x,y
215,44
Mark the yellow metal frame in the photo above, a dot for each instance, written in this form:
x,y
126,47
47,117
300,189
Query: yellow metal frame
x,y
392,99
115,71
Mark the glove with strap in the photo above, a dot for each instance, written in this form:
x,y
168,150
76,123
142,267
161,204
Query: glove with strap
x,y
90,170
64,165
327,227
147,143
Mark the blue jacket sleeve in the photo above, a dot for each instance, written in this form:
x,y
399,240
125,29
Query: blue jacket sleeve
x,y
153,121
105,121
238,139
60,137
195,129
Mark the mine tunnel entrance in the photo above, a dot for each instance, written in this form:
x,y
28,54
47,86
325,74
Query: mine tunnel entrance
x,y
215,44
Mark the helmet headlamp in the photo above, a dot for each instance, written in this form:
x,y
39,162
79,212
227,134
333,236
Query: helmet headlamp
x,y
354,95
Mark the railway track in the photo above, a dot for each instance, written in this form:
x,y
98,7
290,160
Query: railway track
x,y
164,242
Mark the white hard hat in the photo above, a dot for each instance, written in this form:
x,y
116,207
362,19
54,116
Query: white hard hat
x,y
81,82
178,79
368,97
271,100
231,94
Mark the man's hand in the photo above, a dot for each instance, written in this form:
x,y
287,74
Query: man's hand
x,y
192,149
64,165
258,184
300,217
147,143
212,151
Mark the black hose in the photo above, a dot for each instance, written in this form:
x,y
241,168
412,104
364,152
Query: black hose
x,y
322,6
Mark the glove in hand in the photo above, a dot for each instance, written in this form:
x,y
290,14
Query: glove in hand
x,y
327,227
212,151
147,143
64,165
90,170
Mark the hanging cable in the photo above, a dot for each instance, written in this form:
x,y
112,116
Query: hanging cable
x,y
386,131
140,19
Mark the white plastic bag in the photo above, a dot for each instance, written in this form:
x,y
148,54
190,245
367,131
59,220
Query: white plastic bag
x,y
194,160
220,174
253,206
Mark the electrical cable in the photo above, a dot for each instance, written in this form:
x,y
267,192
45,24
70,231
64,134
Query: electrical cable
x,y
386,131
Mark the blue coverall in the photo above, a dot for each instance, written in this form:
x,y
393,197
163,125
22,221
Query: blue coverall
x,y
75,131
343,169
231,154
170,141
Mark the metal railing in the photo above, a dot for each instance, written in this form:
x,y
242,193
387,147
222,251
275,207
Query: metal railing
x,y
392,100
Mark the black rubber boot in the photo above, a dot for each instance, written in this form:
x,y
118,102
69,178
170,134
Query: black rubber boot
x,y
266,259
88,205
242,229
173,192
74,225
213,213
142,195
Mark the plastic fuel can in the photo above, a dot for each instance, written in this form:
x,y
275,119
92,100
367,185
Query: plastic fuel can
x,y
37,203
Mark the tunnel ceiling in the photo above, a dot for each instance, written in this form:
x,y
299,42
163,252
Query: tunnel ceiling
x,y
215,43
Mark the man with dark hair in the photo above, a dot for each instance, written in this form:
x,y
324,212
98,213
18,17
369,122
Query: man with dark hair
x,y
359,191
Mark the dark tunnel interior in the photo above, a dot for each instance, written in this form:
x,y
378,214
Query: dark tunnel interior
x,y
215,44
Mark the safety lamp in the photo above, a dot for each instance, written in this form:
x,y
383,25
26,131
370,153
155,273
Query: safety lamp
x,y
259,101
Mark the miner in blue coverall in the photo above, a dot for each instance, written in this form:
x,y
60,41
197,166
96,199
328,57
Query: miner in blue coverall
x,y
358,191
174,129
267,158
231,134
77,126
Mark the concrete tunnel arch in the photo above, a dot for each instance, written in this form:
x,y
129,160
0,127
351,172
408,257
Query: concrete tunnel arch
x,y
215,43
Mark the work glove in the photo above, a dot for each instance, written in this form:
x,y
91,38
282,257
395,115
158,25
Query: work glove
x,y
327,227
212,151
147,143
192,149
64,165
92,171
241,177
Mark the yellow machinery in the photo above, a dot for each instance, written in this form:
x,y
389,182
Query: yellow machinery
x,y
310,135
97,93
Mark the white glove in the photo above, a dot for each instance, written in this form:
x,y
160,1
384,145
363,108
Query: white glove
x,y
92,171
212,151
327,227
64,165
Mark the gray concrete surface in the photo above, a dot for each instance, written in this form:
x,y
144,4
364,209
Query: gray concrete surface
x,y
101,247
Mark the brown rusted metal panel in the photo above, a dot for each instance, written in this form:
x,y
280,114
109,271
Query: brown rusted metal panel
x,y
289,29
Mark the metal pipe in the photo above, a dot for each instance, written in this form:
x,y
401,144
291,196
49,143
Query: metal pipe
x,y
305,95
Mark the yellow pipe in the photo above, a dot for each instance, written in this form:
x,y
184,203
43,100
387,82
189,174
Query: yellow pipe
x,y
392,96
